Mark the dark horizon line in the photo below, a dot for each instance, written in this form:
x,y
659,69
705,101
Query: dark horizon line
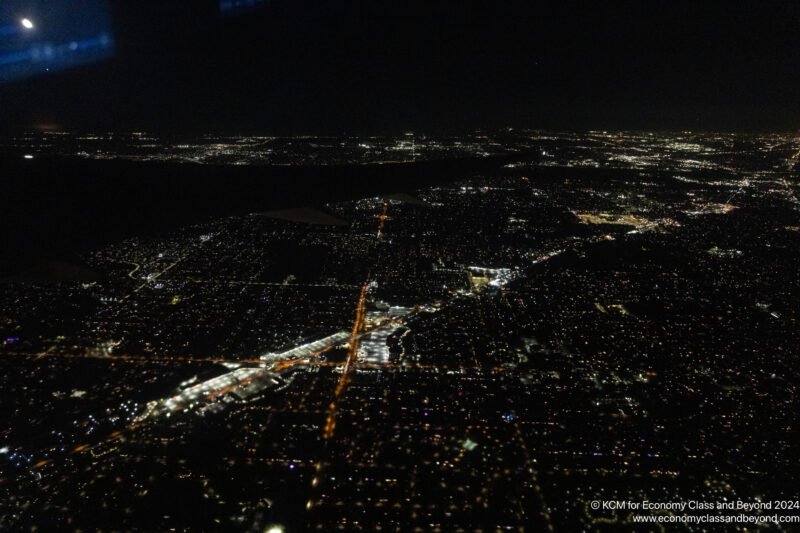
x,y
399,132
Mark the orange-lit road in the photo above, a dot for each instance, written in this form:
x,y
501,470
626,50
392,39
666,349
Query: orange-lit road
x,y
280,365
382,218
352,355
355,343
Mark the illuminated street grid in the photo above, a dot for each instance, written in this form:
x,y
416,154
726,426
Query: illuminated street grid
x,y
616,319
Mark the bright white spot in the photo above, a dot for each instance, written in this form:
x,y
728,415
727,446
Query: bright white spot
x,y
4,449
28,156
275,529
27,23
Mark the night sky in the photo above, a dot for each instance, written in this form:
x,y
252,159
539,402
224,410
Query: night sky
x,y
295,66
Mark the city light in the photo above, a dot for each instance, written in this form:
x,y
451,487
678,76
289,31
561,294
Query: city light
x,y
496,335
